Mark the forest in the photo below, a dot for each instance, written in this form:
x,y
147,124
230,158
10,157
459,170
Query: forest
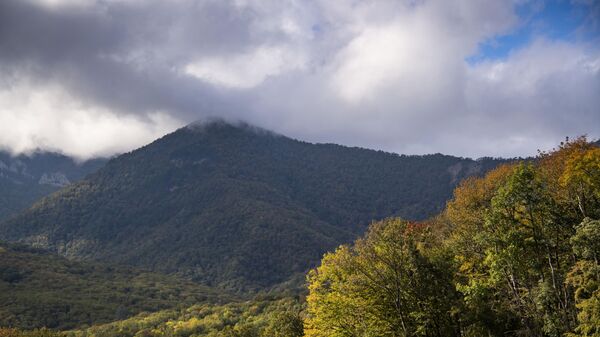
x,y
514,253
235,206
38,289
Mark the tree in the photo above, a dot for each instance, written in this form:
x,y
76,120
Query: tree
x,y
585,278
391,283
287,323
581,179
468,242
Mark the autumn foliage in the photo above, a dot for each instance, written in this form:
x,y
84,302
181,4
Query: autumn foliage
x,y
515,253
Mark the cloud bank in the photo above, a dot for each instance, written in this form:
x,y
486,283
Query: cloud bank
x,y
98,77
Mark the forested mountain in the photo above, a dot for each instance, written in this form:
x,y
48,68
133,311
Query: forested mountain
x,y
515,253
26,179
38,289
234,205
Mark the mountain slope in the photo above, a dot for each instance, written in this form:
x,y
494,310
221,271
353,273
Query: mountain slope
x,y
40,289
235,206
26,179
272,317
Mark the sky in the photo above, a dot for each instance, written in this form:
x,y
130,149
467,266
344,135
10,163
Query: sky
x,y
464,77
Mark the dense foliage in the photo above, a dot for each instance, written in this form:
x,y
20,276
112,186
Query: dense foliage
x,y
236,206
258,318
391,283
42,290
26,179
515,253
13,332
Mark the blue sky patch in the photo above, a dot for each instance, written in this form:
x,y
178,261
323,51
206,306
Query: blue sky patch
x,y
552,19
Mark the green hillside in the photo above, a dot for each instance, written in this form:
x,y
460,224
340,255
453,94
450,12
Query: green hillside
x,y
235,206
256,318
38,289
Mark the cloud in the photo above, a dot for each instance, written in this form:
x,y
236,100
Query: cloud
x,y
426,45
113,74
246,70
50,118
547,90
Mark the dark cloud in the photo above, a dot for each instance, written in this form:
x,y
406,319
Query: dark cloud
x,y
121,55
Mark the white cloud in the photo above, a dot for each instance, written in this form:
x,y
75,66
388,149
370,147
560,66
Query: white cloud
x,y
246,70
48,117
419,50
402,84
540,94
59,3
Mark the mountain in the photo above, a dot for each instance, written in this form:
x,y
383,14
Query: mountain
x,y
234,205
26,179
40,289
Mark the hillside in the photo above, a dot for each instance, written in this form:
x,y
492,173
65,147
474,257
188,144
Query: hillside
x,y
39,289
26,179
235,206
515,253
257,318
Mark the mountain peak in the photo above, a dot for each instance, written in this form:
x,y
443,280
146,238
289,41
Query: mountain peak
x,y
220,124
235,205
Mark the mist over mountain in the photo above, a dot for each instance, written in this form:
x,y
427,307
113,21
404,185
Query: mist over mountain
x,y
26,178
234,205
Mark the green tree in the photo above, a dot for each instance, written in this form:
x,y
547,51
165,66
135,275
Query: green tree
x,y
391,283
585,278
469,242
509,234
287,323
581,181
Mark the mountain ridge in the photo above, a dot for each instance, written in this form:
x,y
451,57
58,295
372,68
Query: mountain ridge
x,y
235,205
26,178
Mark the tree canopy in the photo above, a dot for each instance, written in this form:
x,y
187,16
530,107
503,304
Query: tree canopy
x,y
514,253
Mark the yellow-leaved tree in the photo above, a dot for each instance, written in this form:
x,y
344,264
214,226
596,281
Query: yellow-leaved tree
x,y
393,282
